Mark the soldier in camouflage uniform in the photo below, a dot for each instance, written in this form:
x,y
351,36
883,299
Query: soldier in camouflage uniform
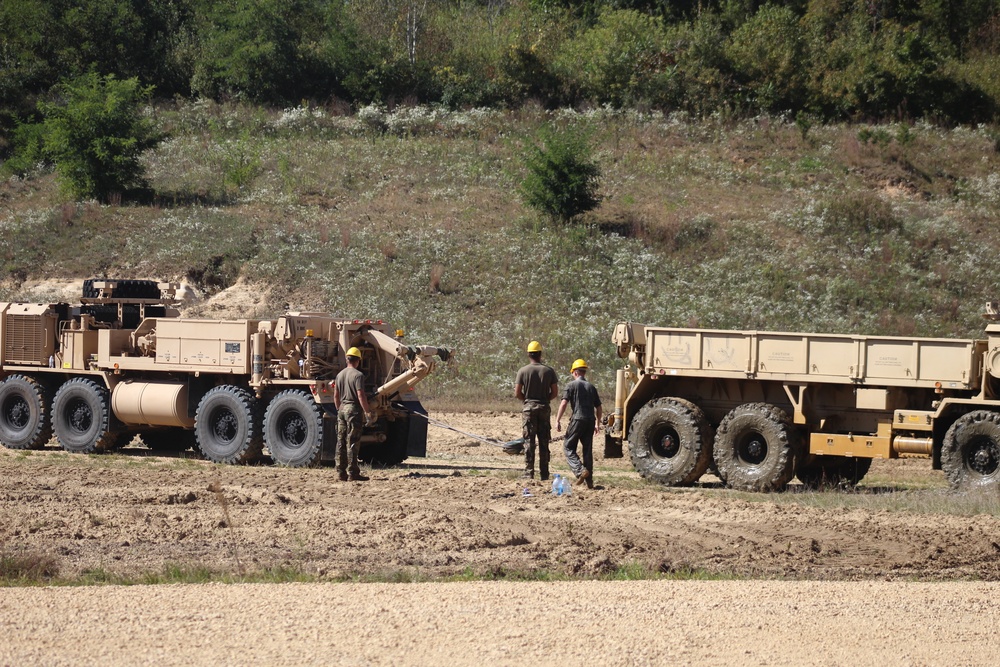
x,y
352,409
536,384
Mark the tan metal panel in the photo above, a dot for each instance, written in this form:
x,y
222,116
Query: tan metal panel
x,y
782,353
949,361
835,356
223,343
168,351
674,349
890,359
862,446
727,351
871,399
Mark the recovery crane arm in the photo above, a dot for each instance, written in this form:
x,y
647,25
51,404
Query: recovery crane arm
x,y
418,358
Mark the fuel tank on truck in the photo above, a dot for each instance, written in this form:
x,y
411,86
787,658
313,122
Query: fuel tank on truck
x,y
152,403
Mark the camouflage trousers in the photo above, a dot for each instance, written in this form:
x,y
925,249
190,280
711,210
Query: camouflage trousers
x,y
537,431
350,424
580,432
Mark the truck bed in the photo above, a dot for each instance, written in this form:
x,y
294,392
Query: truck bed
x,y
883,361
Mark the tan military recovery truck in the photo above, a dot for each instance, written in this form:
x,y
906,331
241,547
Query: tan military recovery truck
x,y
122,363
759,408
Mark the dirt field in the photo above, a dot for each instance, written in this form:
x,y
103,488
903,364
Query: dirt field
x,y
463,509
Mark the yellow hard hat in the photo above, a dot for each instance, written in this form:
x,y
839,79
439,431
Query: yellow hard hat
x,y
354,352
578,364
534,346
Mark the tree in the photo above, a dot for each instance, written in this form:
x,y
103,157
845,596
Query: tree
x,y
620,60
96,133
562,178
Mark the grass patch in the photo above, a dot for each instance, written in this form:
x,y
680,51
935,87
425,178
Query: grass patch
x,y
27,569
873,499
43,570
34,569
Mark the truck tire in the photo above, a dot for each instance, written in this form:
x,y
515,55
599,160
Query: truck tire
x,y
293,429
127,289
227,426
970,454
831,472
670,441
82,417
169,439
756,447
24,413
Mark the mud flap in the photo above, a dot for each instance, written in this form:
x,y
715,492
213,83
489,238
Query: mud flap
x,y
416,442
612,447
329,451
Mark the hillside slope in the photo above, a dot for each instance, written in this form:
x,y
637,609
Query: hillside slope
x,y
413,217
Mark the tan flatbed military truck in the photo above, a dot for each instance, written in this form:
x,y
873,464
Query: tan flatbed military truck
x,y
122,363
760,408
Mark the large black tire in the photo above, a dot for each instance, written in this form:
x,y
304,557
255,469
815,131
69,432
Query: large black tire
x,y
25,421
82,417
293,429
670,441
756,447
227,426
831,472
170,439
970,454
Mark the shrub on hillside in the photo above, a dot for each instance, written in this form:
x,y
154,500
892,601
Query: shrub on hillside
x,y
95,134
562,178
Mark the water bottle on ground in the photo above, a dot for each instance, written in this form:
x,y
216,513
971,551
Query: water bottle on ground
x,y
557,485
567,487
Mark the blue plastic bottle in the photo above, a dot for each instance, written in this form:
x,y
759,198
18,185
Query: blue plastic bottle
x,y
557,485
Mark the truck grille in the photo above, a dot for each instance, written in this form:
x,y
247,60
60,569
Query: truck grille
x,y
23,339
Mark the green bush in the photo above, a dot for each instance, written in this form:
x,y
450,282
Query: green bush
x,y
29,149
703,74
620,60
96,133
562,178
766,53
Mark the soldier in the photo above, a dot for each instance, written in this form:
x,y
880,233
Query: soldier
x,y
536,384
352,404
584,423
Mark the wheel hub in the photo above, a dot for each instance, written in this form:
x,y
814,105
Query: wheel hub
x,y
753,449
985,457
18,413
226,426
80,417
668,445
293,428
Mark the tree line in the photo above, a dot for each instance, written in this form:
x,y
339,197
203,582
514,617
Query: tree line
x,y
827,59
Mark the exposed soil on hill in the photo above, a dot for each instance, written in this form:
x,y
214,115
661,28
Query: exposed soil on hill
x,y
463,508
